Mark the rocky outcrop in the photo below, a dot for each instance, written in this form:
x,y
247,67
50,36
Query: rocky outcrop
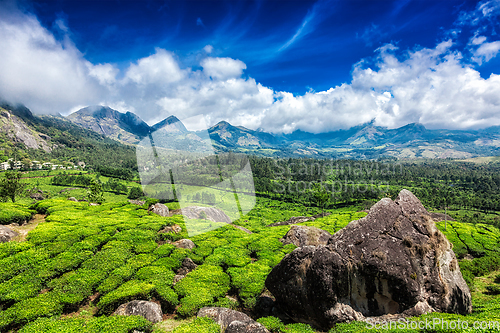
x,y
149,310
184,244
301,235
212,214
137,202
392,261
6,234
231,321
159,209
73,199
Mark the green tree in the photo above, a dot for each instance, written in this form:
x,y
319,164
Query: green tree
x,y
11,185
135,193
321,195
95,193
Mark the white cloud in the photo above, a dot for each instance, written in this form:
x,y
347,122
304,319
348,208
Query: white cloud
x,y
208,49
38,70
433,86
486,52
223,68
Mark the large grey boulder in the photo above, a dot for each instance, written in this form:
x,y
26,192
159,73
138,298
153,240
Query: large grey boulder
x,y
212,214
6,234
159,209
392,261
149,310
231,320
301,235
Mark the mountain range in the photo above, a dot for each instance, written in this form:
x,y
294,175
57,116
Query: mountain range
x,y
362,141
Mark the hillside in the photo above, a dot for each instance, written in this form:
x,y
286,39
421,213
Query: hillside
x,y
45,137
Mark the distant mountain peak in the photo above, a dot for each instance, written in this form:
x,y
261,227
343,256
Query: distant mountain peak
x,y
170,123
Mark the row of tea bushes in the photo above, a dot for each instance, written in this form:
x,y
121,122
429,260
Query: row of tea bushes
x,y
14,213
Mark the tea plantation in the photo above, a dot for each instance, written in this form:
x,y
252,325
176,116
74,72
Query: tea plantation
x,y
76,267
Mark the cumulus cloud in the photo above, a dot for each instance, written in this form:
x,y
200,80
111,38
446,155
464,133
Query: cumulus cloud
x,y
223,68
45,73
434,86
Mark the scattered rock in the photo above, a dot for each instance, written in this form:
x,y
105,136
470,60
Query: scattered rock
x,y
246,327
137,202
317,216
242,229
37,196
392,261
177,278
194,212
227,317
94,204
149,310
301,235
159,209
293,220
6,234
187,266
184,244
73,199
264,306
171,229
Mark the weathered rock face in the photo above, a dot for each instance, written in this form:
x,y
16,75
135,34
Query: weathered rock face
x,y
184,244
6,234
392,261
149,310
301,235
231,321
159,209
213,214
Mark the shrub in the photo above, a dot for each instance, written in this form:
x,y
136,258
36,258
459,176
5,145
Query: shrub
x,y
128,291
114,324
273,324
493,289
201,287
14,213
250,281
199,325
135,193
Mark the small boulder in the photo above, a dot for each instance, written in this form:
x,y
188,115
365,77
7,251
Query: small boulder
x,y
184,244
73,199
170,229
137,202
246,327
37,196
245,230
6,234
301,235
149,310
159,209
187,266
226,317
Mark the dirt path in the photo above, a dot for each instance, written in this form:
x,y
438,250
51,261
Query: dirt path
x,y
24,229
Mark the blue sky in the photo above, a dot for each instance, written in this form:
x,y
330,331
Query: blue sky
x,y
274,65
